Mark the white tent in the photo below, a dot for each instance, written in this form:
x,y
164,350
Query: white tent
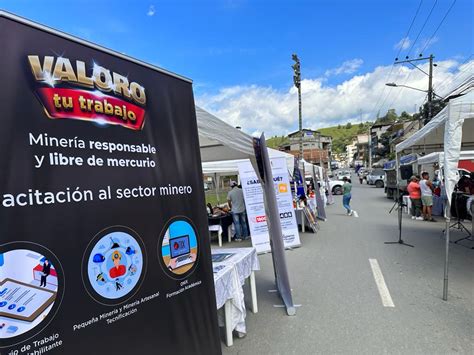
x,y
231,166
438,157
220,141
453,130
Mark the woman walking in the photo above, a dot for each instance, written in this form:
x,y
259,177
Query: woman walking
x,y
346,197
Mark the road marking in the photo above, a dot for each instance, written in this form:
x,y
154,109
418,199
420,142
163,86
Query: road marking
x,y
381,285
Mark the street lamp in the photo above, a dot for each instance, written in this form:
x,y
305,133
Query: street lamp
x,y
297,82
429,74
409,87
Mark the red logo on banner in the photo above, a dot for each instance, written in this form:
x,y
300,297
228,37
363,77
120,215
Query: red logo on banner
x,y
91,106
260,219
109,98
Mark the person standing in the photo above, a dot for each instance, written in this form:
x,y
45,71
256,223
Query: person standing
x,y
414,191
45,273
426,187
235,199
347,196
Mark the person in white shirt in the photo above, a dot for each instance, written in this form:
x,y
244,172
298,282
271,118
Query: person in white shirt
x,y
426,187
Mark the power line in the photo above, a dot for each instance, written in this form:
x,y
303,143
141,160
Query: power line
x,y
461,74
409,28
399,50
428,42
409,51
437,28
423,27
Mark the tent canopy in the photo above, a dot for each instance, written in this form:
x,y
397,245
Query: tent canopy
x,y
455,124
432,136
220,141
438,157
232,166
405,160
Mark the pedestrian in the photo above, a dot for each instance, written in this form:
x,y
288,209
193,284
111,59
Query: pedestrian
x,y
347,196
235,199
426,187
414,191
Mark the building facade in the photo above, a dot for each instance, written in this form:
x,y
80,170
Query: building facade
x,y
316,146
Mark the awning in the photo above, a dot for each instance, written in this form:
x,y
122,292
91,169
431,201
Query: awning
x,y
220,141
454,128
231,166
438,157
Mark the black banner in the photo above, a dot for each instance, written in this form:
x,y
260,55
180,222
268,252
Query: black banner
x,y
104,245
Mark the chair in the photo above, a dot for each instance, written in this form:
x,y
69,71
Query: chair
x,y
216,228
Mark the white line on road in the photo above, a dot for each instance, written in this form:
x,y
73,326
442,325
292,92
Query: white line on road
x,y
381,285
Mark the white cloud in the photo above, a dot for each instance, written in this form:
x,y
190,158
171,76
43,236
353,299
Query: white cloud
x,y
425,44
151,11
348,67
275,112
403,44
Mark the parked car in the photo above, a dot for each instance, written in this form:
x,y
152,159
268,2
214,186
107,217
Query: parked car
x,y
336,187
343,173
376,177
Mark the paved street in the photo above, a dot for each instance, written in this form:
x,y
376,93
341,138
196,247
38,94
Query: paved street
x,y
341,309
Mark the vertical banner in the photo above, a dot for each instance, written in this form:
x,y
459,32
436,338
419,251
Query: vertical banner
x,y
104,245
255,207
265,174
318,199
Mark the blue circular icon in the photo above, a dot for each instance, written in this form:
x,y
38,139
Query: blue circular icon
x,y
115,265
12,306
179,248
20,309
3,304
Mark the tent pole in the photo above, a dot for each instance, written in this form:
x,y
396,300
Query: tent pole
x,y
446,261
216,182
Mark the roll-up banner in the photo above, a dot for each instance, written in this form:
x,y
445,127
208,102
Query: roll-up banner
x,y
253,195
104,245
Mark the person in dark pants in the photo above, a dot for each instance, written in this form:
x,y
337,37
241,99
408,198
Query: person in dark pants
x,y
414,190
235,199
46,272
346,197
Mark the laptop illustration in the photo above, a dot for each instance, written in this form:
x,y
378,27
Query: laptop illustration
x,y
180,251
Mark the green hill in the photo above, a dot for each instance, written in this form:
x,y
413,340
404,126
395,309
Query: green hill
x,y
275,141
342,135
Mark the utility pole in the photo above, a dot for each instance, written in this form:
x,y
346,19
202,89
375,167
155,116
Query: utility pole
x,y
430,78
297,81
370,147
430,89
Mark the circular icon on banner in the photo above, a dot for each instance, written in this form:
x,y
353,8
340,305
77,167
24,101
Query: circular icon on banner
x,y
31,289
114,264
178,248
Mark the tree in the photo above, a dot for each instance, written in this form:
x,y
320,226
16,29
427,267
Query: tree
x,y
348,125
389,117
406,116
436,106
338,126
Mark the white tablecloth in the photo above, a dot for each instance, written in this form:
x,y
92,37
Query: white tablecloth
x,y
245,260
229,279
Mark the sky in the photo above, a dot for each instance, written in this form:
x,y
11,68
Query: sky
x,y
238,52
